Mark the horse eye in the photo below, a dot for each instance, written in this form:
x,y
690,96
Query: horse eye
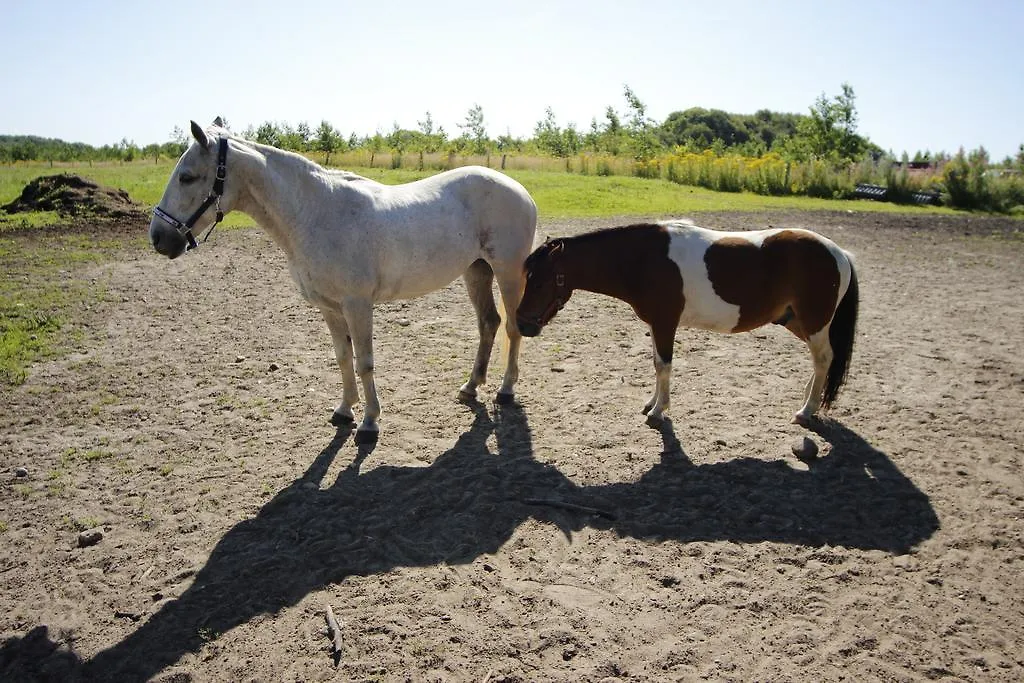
x,y
186,178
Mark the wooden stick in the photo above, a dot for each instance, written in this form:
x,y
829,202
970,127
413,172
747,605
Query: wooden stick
x,y
334,631
569,506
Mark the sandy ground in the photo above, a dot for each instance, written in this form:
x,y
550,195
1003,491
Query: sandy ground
x,y
560,540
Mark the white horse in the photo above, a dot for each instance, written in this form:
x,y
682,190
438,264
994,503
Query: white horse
x,y
352,242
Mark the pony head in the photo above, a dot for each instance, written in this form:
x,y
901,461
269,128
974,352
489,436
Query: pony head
x,y
546,292
193,196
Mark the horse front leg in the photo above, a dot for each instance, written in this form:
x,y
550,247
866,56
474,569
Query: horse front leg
x,y
662,339
511,285
359,315
336,323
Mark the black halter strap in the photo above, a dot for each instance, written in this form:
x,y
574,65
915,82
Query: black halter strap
x,y
185,228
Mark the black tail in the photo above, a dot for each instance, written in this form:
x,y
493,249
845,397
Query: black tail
x,y
840,336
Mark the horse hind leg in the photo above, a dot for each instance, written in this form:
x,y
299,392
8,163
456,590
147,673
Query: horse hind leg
x,y
821,353
478,278
511,285
359,315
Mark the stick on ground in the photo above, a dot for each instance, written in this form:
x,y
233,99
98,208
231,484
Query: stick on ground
x,y
565,505
334,631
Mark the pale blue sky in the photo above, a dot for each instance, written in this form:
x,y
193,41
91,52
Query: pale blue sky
x,y
928,75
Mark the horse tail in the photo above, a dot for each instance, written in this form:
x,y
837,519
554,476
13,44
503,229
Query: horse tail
x,y
840,337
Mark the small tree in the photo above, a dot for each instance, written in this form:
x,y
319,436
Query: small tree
x,y
327,140
643,139
179,140
830,132
268,133
474,133
548,135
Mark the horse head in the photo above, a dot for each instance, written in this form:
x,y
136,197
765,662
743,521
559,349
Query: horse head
x,y
196,186
546,292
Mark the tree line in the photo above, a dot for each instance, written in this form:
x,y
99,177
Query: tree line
x,y
828,131
821,153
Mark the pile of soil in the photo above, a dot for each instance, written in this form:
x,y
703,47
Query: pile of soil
x,y
76,197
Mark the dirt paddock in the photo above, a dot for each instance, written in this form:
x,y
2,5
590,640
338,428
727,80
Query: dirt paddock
x,y
557,540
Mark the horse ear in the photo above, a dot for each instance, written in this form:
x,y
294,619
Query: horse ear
x,y
200,135
219,122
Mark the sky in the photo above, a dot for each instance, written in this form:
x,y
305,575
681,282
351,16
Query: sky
x,y
928,75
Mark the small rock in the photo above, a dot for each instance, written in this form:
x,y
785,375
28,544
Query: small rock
x,y
239,359
274,367
404,322
20,472
805,447
90,537
906,562
557,369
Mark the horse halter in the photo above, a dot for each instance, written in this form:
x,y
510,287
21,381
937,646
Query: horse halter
x,y
556,304
185,229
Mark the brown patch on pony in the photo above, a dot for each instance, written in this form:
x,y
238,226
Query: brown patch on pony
x,y
641,274
789,270
654,286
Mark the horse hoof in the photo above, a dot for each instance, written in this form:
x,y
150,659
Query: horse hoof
x,y
340,420
646,410
505,399
803,420
466,397
655,421
366,436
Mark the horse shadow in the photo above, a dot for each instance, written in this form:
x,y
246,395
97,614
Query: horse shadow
x,y
470,501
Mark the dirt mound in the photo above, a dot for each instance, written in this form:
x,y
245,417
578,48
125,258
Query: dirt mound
x,y
77,197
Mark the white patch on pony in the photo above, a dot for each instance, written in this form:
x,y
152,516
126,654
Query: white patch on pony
x,y
703,308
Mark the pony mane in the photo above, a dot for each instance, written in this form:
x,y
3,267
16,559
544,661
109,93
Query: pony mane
x,y
587,238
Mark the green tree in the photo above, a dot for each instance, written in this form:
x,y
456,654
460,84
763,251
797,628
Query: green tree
x,y
474,133
432,139
328,140
548,135
643,139
179,141
128,149
268,133
830,132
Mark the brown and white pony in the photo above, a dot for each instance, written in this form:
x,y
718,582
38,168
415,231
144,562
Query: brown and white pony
x,y
675,273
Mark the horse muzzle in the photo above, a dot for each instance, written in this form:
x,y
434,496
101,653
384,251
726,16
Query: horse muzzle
x,y
528,328
167,241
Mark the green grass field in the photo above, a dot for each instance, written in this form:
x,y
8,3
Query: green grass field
x,y
558,195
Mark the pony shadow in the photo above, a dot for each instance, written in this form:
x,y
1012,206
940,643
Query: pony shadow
x,y
853,497
471,500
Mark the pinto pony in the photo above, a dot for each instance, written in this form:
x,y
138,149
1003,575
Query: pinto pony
x,y
352,242
675,273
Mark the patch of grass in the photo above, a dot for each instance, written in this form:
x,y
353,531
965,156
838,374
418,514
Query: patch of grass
x,y
37,294
24,490
76,524
3,526
563,195
166,469
208,635
96,454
